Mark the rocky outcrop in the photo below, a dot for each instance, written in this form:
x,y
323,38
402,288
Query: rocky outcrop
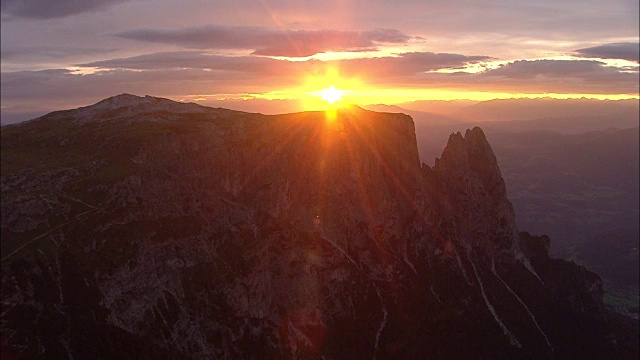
x,y
202,233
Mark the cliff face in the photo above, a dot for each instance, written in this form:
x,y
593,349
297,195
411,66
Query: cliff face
x,y
145,227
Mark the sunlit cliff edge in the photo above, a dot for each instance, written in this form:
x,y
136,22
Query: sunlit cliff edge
x,y
142,227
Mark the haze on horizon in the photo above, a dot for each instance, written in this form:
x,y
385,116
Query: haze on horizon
x,y
275,55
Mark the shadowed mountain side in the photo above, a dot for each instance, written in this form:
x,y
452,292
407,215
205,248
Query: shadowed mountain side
x,y
193,232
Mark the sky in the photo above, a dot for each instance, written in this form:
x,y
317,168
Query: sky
x,y
275,56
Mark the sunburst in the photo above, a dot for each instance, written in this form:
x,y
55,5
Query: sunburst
x,y
331,94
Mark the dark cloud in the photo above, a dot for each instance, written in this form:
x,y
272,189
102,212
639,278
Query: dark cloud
x,y
264,41
48,9
562,76
192,60
624,51
527,69
49,52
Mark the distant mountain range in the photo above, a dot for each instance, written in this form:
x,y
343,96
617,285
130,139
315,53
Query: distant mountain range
x,y
525,109
140,227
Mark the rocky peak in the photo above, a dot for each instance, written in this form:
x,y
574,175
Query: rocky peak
x,y
469,172
471,159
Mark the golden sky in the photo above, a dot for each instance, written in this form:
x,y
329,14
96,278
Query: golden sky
x,y
281,53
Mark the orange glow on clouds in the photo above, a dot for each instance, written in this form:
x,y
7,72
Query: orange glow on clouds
x,y
330,88
313,101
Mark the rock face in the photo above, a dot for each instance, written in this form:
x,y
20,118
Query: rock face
x,y
145,228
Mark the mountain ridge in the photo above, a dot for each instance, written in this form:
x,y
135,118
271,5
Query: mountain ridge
x,y
205,235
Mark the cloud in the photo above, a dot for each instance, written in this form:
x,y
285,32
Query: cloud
x,y
47,9
270,42
624,51
406,64
562,76
192,60
585,69
23,54
524,69
306,43
65,85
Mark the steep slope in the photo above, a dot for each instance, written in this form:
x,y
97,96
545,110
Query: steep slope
x,y
189,232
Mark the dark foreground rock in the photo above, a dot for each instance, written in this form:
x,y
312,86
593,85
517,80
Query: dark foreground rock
x,y
144,228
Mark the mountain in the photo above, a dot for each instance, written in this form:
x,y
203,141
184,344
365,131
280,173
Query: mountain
x,y
145,228
443,107
432,129
529,109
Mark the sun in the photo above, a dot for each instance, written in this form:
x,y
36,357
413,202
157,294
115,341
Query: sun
x,y
327,89
331,94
